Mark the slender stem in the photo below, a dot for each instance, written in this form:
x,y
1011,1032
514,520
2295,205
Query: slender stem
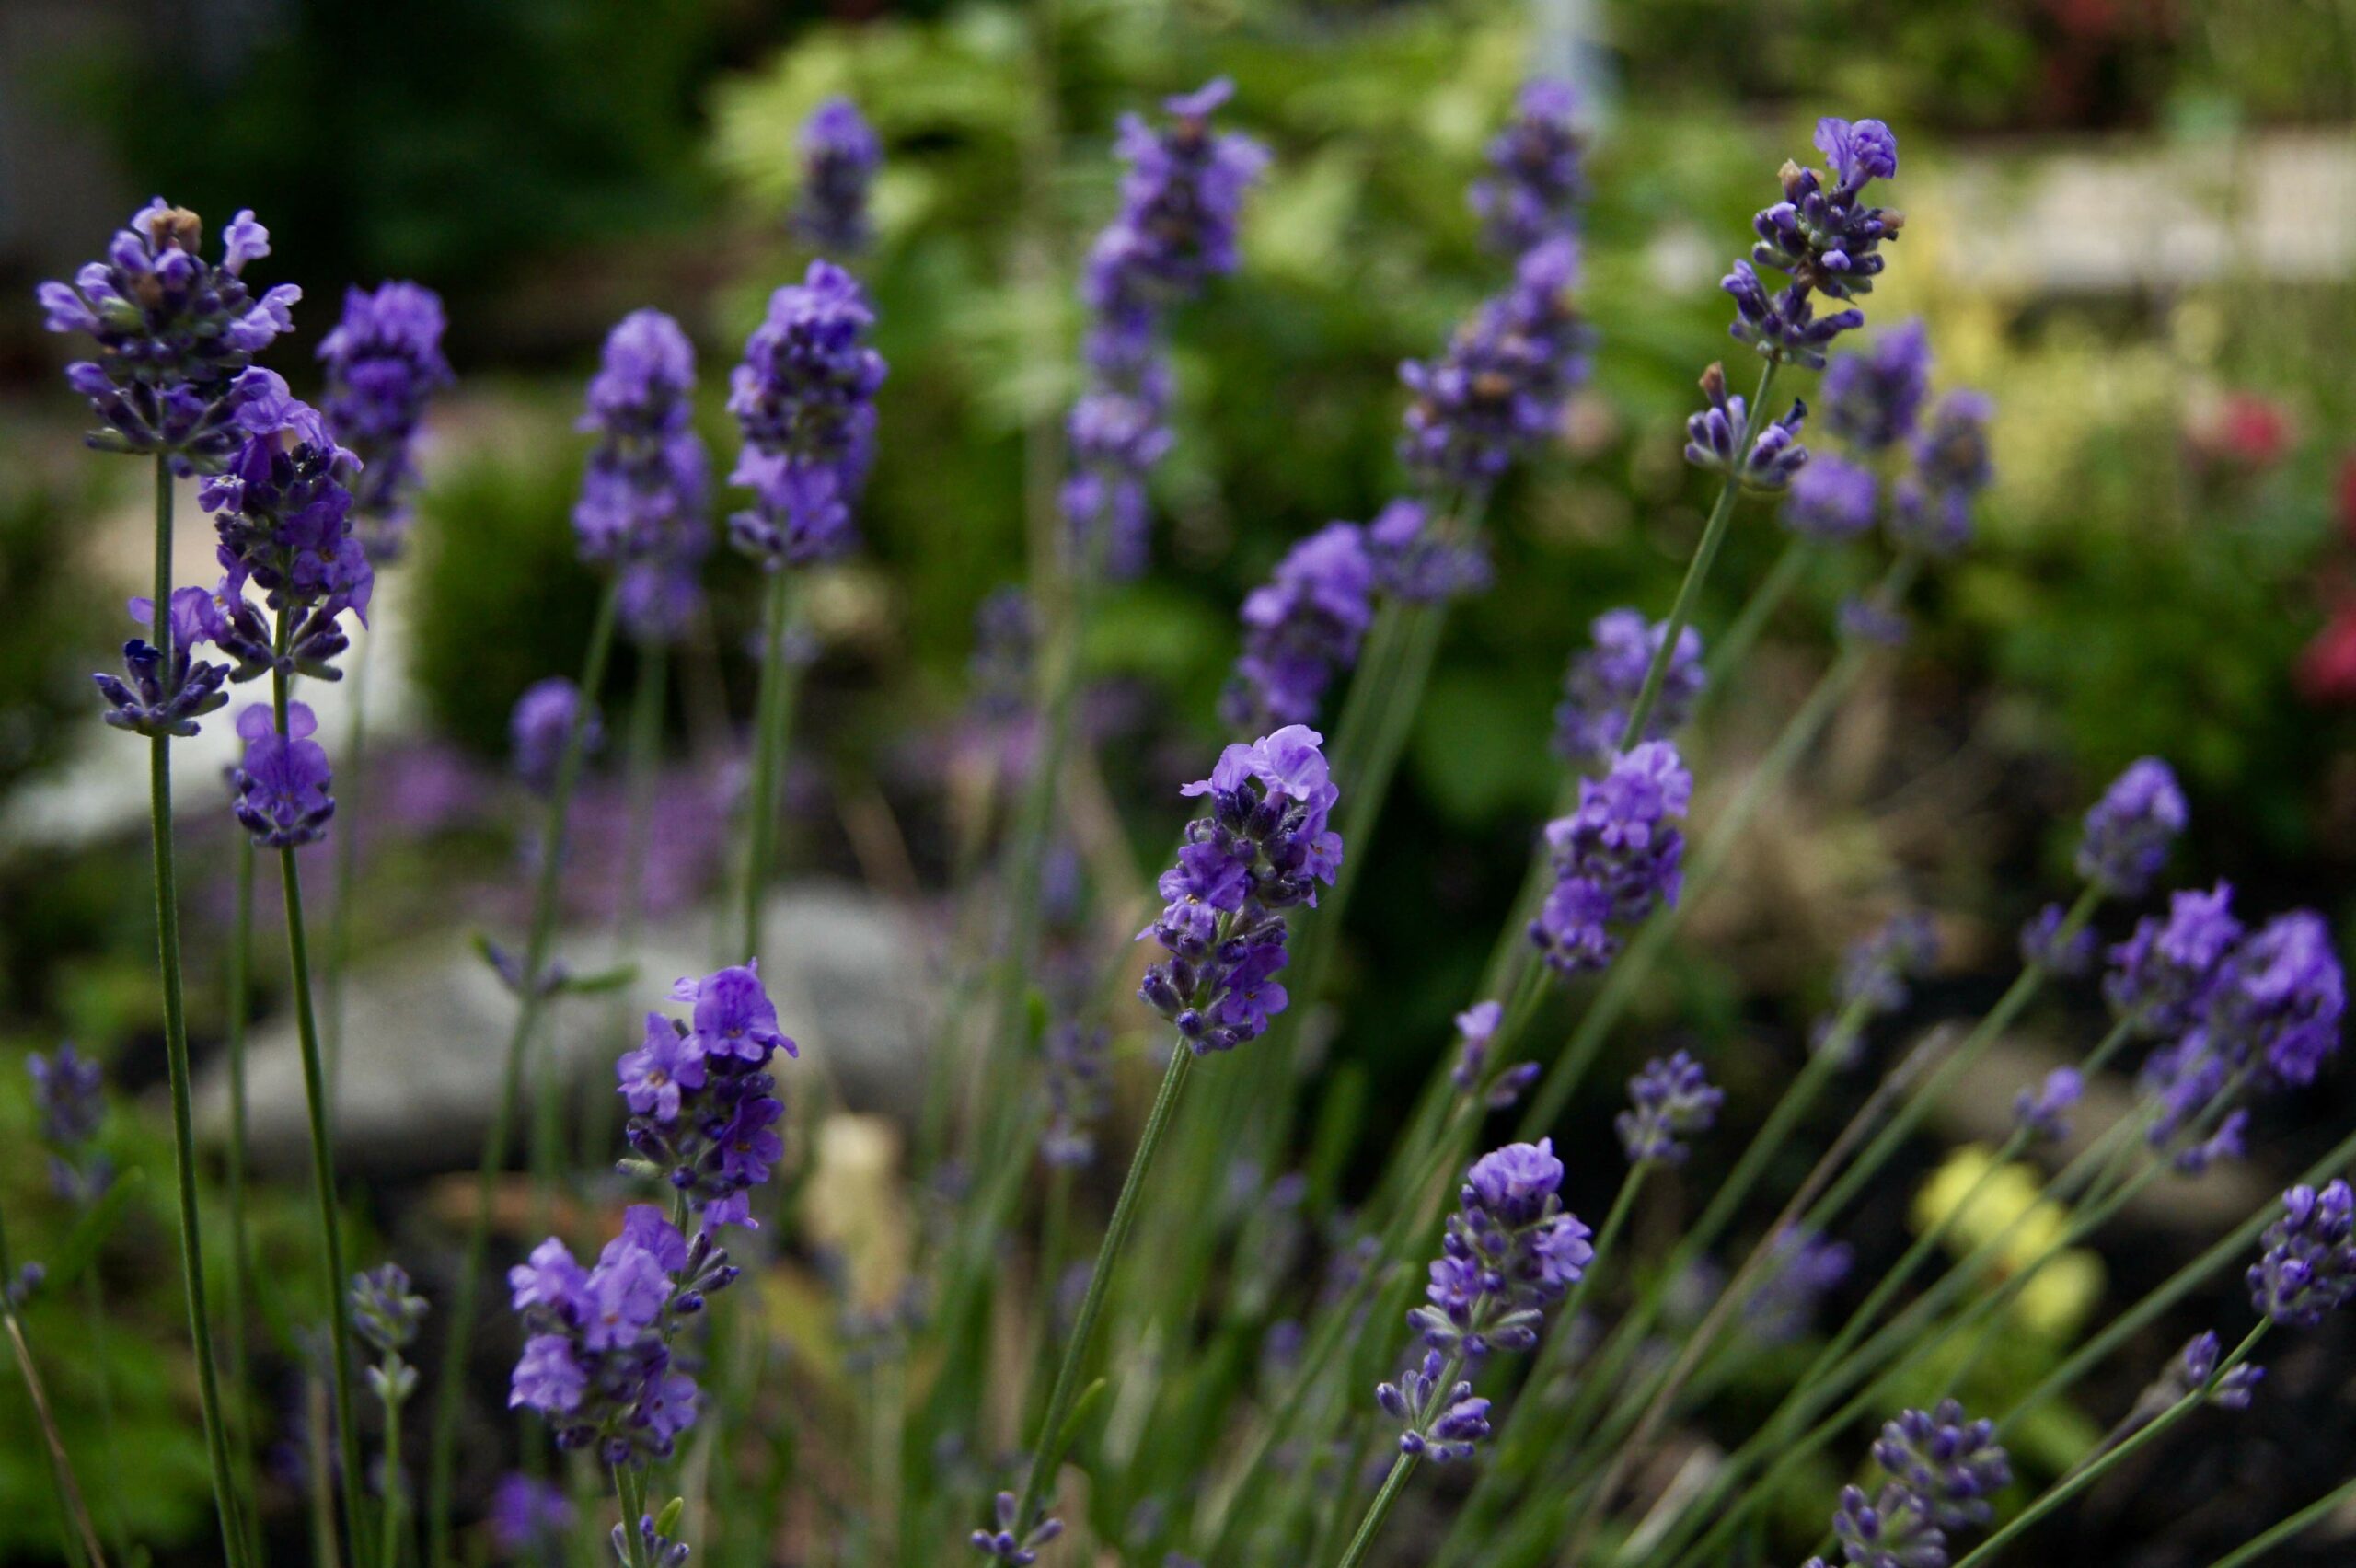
x,y
1084,1328
241,1269
390,1552
1377,1511
2289,1530
1697,570
168,944
347,864
2070,1487
450,1389
773,707
630,1490
81,1541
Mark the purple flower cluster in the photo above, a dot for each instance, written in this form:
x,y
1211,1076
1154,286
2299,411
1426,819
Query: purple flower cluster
x,y
2281,1001
384,360
166,696
1831,500
646,492
1006,636
1873,395
283,517
2164,975
1824,239
1498,387
1714,438
1003,1545
1509,1250
386,1314
1262,849
1671,1100
2191,1370
2043,1112
1299,628
1942,1469
540,726
1931,505
2044,943
2308,1269
1876,969
702,1109
281,785
529,1518
805,399
1077,1093
1616,857
1476,1031
175,334
69,1093
1416,559
1803,1265
1602,683
598,1359
840,153
1181,199
2129,830
1537,178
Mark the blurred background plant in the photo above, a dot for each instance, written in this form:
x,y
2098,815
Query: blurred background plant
x,y
2135,226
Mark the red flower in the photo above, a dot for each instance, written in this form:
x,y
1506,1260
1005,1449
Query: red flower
x,y
2326,671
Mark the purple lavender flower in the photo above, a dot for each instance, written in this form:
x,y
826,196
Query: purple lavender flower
x,y
645,495
701,1097
1262,849
805,399
1539,181
1616,857
1006,634
1181,199
2043,944
1873,396
2129,830
2280,999
175,335
384,360
654,1547
1714,438
597,1357
1076,1093
386,1314
2308,1269
1670,1099
69,1093
1300,628
2163,975
1510,1251
1831,500
1416,559
540,727
1825,239
2229,1143
1003,1545
2043,1112
529,1518
1500,387
1602,684
2191,1370
281,785
1931,505
1803,1265
1951,1464
1877,968
284,516
167,696
1476,1026
840,153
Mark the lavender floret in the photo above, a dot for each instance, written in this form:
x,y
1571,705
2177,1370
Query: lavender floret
x,y
1302,629
1831,500
168,697
2279,1000
1538,179
540,725
840,153
805,399
1414,560
703,1110
282,784
2164,975
1873,395
1500,387
1803,1265
2043,1112
1616,858
2130,829
646,494
1603,681
2043,944
1714,438
2308,1268
383,361
1931,505
1671,1100
1002,1544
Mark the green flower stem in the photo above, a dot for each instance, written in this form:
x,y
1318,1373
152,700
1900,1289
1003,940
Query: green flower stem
x,y
1377,1511
81,1540
2291,1528
241,1270
389,1551
1084,1328
2070,1487
349,805
168,944
1697,570
450,1389
630,1490
321,1115
642,768
773,725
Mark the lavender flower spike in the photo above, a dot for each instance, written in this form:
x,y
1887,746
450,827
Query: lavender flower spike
x,y
1670,1099
1262,849
538,726
1510,1251
281,785
1831,500
1500,386
69,1091
1825,238
1931,509
1004,1545
2043,1112
174,335
840,153
1616,858
1873,396
1538,179
2043,944
383,361
805,399
704,1104
1300,628
161,700
2129,830
2281,999
1714,438
2308,1269
1605,681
